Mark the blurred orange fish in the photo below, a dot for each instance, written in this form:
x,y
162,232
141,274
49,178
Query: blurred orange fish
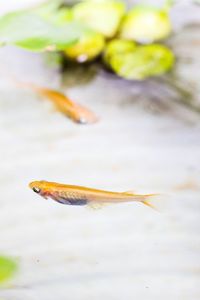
x,y
73,110
78,195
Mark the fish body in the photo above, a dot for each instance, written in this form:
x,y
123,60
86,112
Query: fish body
x,y
62,103
79,195
73,110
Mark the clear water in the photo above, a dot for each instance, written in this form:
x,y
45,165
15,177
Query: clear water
x,y
146,141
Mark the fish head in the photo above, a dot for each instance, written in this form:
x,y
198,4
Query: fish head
x,y
41,188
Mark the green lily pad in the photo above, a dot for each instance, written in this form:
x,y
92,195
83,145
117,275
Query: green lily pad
x,y
8,267
143,62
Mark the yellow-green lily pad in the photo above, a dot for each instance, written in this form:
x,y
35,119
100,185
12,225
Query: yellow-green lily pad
x,y
146,24
143,62
102,16
89,46
117,46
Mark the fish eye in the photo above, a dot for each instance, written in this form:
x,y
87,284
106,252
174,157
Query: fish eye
x,y
82,120
36,189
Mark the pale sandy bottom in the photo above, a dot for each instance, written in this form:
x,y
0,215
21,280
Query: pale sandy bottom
x,y
124,251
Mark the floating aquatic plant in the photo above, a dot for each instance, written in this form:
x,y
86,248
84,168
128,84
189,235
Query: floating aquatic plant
x,y
8,268
86,30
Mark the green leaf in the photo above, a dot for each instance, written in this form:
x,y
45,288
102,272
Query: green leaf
x,y
52,12
30,31
8,267
47,8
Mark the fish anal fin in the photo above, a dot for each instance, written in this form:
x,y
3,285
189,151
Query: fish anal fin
x,y
147,202
95,205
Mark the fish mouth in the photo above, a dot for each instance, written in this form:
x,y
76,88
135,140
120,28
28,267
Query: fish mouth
x,y
35,186
31,184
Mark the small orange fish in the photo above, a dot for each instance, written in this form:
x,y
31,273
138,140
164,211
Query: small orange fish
x,y
78,195
73,110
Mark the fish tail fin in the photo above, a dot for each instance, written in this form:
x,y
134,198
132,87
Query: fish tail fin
x,y
147,200
26,85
